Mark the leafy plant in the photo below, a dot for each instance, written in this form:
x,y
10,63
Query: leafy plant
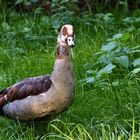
x,y
115,56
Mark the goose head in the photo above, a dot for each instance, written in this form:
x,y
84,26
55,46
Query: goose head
x,y
66,36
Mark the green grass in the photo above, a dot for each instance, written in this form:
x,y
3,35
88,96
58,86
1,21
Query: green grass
x,y
100,111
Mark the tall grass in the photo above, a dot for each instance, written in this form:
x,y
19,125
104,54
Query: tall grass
x,y
101,110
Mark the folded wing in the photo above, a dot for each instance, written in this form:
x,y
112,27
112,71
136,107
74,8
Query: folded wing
x,y
27,87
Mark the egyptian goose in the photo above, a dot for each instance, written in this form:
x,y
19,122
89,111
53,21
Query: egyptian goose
x,y
37,97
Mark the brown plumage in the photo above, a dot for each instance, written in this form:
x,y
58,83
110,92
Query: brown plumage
x,y
27,87
37,97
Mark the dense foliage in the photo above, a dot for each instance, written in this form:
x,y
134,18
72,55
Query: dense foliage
x,y
52,6
106,62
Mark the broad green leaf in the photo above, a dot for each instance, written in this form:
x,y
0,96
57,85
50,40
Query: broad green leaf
x,y
123,60
137,20
128,20
115,83
5,26
118,36
45,19
89,71
106,69
108,17
108,47
26,29
136,70
126,36
90,80
126,50
19,50
19,1
131,29
56,24
105,59
136,62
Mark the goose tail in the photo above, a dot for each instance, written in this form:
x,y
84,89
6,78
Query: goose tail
x,y
2,99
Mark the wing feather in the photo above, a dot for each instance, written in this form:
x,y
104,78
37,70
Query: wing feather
x,y
27,87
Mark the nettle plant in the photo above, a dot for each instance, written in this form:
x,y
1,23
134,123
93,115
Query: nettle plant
x,y
116,58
